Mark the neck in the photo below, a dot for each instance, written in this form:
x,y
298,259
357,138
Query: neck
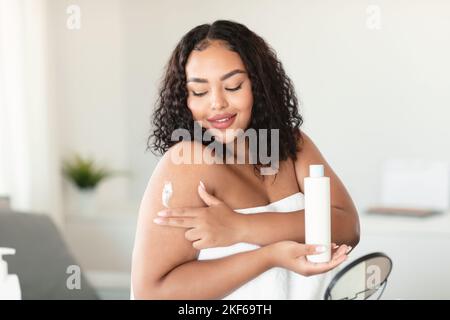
x,y
239,151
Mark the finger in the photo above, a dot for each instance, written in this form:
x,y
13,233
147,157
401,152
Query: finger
x,y
341,251
200,244
325,267
207,198
191,212
316,268
182,222
334,262
312,249
334,248
192,234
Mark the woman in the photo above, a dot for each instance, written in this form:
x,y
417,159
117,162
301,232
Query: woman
x,y
226,79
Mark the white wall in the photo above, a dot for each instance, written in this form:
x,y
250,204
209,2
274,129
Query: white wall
x,y
367,94
88,68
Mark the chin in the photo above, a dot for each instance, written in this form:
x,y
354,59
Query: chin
x,y
225,136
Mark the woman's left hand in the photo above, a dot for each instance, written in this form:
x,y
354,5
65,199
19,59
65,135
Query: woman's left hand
x,y
214,226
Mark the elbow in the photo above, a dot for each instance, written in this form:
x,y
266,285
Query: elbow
x,y
349,239
346,230
148,290
149,293
355,233
354,241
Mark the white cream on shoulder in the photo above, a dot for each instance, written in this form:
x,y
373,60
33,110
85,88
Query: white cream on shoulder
x,y
167,193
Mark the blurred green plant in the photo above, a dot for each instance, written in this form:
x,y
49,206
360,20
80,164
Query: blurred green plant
x,y
84,172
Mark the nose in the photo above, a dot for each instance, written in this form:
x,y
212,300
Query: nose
x,y
218,101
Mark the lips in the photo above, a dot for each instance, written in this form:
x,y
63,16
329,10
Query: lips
x,y
222,121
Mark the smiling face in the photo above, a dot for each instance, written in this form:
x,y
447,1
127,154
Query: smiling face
x,y
219,91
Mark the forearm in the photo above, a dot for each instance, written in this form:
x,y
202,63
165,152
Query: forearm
x,y
211,279
345,227
270,227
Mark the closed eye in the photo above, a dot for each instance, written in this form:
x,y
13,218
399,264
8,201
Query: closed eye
x,y
234,89
199,94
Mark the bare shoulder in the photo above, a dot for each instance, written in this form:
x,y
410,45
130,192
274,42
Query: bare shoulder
x,y
308,153
179,169
188,162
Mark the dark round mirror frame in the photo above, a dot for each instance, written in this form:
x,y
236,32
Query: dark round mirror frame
x,y
339,275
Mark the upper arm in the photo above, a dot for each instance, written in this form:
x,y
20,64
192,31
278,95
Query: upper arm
x,y
159,249
309,154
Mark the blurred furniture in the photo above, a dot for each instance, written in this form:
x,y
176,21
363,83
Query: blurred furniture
x,y
419,249
42,258
103,243
400,178
4,203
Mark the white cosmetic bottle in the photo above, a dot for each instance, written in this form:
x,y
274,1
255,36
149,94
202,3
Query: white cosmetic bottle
x,y
9,283
318,212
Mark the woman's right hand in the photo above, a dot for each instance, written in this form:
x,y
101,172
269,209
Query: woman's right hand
x,y
292,255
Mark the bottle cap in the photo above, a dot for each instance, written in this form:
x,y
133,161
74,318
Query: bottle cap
x,y
316,170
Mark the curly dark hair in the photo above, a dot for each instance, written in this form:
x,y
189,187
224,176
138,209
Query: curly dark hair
x,y
275,103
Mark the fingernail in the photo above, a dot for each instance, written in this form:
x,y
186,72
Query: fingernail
x,y
202,185
348,249
158,220
320,249
162,213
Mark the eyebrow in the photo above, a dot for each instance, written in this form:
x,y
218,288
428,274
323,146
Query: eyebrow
x,y
222,78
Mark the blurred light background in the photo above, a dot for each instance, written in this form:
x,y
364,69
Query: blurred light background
x,y
82,76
